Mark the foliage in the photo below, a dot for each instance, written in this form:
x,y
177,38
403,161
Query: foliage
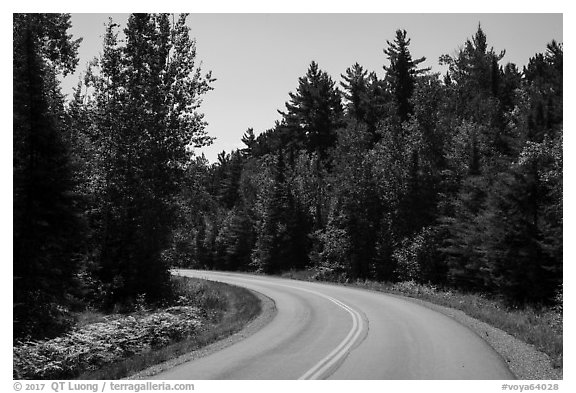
x,y
92,346
48,226
418,258
143,102
282,226
402,72
332,259
235,241
354,200
314,112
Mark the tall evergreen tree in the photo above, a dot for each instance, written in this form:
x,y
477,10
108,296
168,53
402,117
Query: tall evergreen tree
x,y
402,72
235,241
355,93
355,201
314,112
475,76
226,175
282,228
47,224
249,140
522,250
544,79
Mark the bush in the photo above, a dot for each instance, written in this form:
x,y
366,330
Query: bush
x,y
412,288
91,346
558,310
331,253
418,259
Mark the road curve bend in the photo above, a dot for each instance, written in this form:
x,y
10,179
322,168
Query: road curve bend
x,y
325,331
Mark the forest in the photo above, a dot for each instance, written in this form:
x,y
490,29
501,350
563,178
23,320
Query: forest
x,y
448,179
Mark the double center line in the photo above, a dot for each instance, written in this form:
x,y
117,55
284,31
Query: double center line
x,y
319,371
322,369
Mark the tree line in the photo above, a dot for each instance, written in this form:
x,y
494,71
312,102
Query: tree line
x,y
454,180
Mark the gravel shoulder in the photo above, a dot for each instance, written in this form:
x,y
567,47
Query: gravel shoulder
x,y
267,314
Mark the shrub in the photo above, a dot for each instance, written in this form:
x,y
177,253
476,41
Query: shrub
x,y
91,346
332,253
418,259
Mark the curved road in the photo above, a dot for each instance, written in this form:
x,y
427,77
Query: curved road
x,y
331,332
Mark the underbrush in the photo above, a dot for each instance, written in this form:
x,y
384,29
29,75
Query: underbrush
x,y
115,345
539,326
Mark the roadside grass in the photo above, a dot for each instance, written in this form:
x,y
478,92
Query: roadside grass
x,y
116,346
539,326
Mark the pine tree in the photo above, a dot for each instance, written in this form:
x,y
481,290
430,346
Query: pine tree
x,y
355,207
543,77
402,72
228,173
235,241
250,141
272,234
282,241
510,83
47,223
522,248
475,75
314,112
355,87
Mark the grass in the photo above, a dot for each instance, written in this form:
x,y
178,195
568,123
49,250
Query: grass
x,y
539,326
116,346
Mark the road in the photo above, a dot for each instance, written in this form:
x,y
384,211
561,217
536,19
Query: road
x,y
325,331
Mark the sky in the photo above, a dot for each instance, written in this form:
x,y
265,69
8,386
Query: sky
x,y
258,58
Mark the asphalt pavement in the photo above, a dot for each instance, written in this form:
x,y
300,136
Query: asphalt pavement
x,y
324,331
